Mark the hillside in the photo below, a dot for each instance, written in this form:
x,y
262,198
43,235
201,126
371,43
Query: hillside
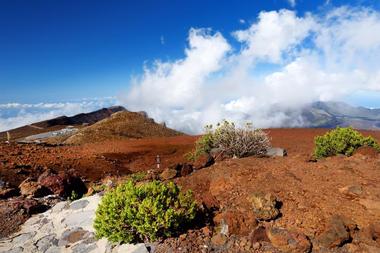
x,y
329,205
60,123
332,114
122,125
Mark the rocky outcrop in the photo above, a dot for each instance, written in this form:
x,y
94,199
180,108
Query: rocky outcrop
x,y
31,188
176,171
168,173
67,227
288,241
273,152
336,233
234,222
62,183
264,206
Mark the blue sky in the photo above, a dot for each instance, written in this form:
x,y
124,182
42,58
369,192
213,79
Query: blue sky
x,y
65,51
73,49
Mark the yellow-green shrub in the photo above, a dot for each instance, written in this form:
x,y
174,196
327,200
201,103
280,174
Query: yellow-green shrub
x,y
144,212
342,140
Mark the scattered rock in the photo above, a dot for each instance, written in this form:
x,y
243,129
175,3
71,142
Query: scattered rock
x,y
352,191
152,175
336,234
186,169
168,173
219,239
273,152
73,235
204,161
369,235
259,235
8,193
238,223
46,242
2,184
79,204
16,211
288,241
33,189
62,183
265,206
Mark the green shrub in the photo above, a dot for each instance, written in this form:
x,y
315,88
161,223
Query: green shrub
x,y
342,141
144,212
232,141
203,145
74,196
138,176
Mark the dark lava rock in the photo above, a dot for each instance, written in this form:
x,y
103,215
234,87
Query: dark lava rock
x,y
62,183
204,161
8,193
336,233
259,235
14,212
186,169
288,241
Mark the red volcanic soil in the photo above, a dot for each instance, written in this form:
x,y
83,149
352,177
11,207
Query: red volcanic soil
x,y
96,160
92,161
314,196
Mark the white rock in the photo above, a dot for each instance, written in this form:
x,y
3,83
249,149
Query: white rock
x,y
131,248
44,231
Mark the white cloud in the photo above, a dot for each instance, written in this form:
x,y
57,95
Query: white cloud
x,y
241,21
14,115
274,34
305,59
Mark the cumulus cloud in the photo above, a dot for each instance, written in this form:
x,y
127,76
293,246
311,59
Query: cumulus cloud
x,y
14,115
284,62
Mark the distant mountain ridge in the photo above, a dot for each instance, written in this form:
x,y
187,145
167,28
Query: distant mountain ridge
x,y
332,114
61,122
314,115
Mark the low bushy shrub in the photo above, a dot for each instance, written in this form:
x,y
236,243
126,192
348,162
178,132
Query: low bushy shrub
x,y
203,145
143,212
342,140
232,141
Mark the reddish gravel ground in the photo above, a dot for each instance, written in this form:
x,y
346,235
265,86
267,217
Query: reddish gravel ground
x,y
311,194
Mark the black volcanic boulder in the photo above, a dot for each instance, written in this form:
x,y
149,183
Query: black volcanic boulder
x,y
62,183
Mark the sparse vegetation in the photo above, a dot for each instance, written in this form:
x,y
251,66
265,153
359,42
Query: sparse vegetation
x,y
144,212
342,141
231,141
74,196
138,176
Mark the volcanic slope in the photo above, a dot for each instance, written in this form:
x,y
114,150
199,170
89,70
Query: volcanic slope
x,y
60,122
122,125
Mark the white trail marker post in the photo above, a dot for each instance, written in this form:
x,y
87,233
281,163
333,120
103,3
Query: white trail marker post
x,y
158,161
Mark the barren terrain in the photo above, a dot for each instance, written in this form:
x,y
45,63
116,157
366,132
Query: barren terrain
x,y
312,195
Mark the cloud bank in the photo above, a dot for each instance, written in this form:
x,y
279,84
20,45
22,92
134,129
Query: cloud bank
x,y
14,115
284,61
